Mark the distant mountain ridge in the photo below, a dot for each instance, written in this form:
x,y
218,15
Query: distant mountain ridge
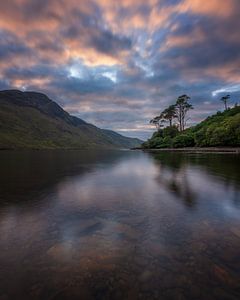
x,y
32,120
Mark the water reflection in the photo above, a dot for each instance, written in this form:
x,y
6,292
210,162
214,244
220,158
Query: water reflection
x,y
119,225
176,170
173,176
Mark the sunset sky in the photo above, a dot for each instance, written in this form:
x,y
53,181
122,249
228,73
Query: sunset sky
x,y
117,64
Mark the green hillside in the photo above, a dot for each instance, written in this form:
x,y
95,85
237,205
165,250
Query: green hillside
x,y
221,129
32,120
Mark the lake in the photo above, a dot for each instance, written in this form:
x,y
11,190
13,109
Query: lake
x,y
119,225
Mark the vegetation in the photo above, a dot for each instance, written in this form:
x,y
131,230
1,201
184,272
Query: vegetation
x,y
32,120
221,129
182,106
225,99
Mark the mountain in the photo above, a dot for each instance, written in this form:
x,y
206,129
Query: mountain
x,y
218,130
32,120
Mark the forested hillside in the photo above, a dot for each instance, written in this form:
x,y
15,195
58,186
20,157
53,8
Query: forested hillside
x,y
221,129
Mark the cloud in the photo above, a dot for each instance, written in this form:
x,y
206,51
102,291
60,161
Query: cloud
x,y
11,46
227,89
118,65
212,8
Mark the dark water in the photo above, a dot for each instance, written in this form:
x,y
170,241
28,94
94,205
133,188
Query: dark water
x,y
119,225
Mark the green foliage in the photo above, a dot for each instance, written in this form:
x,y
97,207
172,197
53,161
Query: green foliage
x,y
156,143
200,138
221,129
170,131
177,111
166,142
169,114
183,140
156,134
182,106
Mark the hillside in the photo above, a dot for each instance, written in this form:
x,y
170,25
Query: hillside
x,y
32,120
219,130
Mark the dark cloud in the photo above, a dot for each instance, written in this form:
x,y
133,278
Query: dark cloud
x,y
10,46
90,29
215,42
37,71
82,86
119,65
107,42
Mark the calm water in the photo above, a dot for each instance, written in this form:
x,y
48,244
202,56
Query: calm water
x,y
119,225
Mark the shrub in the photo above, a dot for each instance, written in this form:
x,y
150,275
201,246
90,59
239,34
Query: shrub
x,y
170,131
183,140
200,138
156,134
156,142
221,129
217,136
166,142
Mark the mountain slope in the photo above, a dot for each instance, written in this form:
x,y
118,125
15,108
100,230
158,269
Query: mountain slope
x,y
32,120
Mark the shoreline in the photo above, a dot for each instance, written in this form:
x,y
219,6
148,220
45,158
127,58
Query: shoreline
x,y
195,150
187,150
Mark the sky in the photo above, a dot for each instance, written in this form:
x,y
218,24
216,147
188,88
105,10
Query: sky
x,y
117,64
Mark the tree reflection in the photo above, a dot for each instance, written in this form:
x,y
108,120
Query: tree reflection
x,y
173,176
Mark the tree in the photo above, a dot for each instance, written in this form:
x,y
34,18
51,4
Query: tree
x,y
169,114
225,99
158,122
182,106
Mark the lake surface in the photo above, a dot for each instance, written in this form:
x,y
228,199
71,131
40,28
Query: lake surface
x,y
119,225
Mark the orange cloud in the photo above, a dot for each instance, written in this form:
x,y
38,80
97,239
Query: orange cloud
x,y
228,72
49,23
92,57
22,83
156,16
210,7
197,36
41,27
